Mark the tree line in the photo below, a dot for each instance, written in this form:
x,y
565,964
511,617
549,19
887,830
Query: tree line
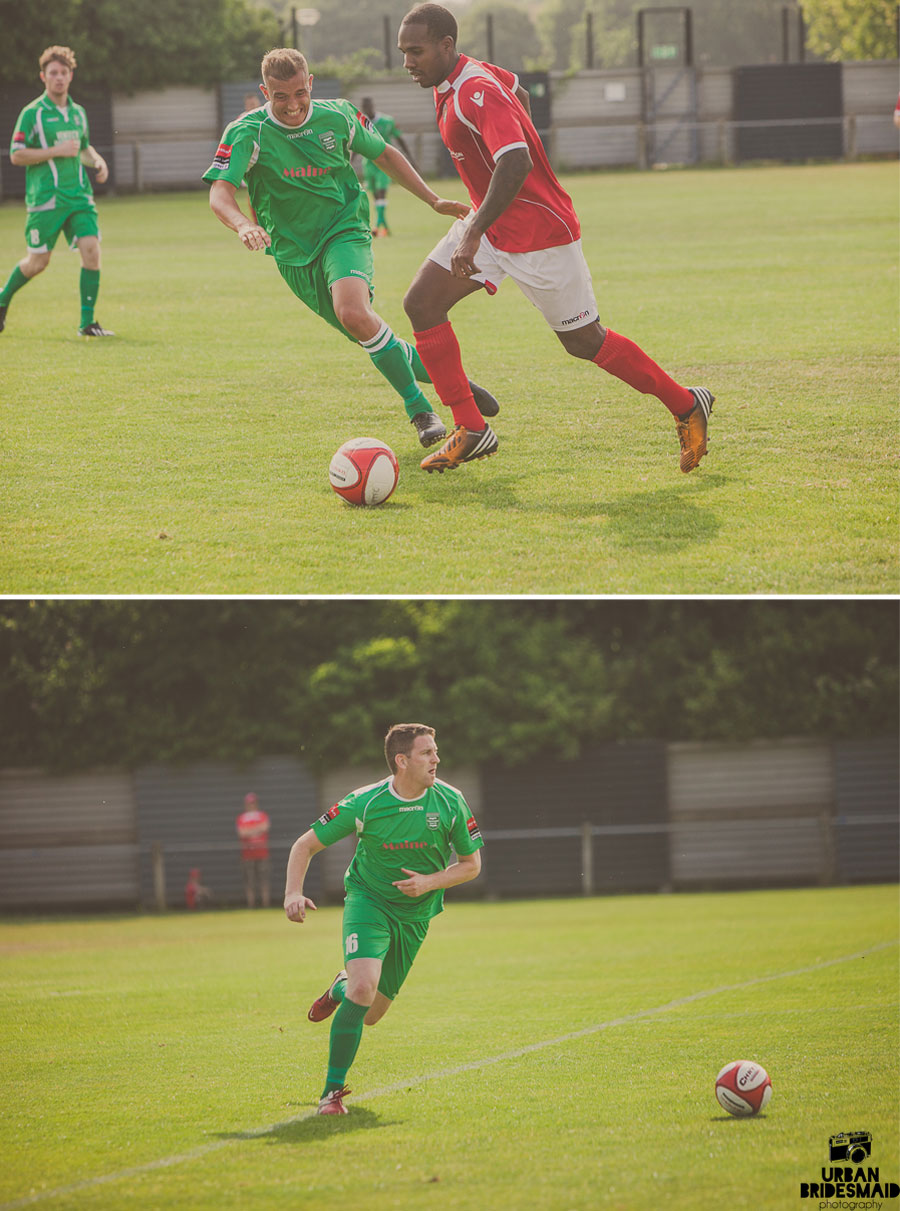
x,y
124,683
131,45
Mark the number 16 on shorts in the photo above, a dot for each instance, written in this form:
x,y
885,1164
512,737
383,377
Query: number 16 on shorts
x,y
351,943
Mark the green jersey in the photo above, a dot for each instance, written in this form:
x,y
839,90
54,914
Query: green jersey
x,y
299,178
393,833
62,181
386,127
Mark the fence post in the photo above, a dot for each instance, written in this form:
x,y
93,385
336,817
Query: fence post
x,y
850,136
587,859
642,145
828,873
159,876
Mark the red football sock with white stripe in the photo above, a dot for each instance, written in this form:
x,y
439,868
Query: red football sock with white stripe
x,y
627,361
439,350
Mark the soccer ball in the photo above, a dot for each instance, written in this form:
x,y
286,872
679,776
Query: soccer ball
x,y
743,1088
364,471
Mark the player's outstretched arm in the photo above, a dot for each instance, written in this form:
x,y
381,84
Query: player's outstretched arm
x,y
302,852
224,206
507,179
399,169
464,871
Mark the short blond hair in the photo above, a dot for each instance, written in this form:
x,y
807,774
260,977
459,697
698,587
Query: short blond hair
x,y
59,54
283,64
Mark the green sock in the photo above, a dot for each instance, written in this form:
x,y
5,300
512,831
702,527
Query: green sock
x,y
17,280
418,366
339,991
381,215
346,1032
90,288
389,357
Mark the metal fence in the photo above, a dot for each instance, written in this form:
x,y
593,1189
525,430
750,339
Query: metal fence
x,y
589,120
631,817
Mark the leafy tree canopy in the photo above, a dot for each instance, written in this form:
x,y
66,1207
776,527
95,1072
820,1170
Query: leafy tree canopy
x,y
125,683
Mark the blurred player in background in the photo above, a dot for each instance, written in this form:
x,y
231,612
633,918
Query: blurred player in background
x,y
311,214
195,893
51,142
253,829
523,227
406,826
376,180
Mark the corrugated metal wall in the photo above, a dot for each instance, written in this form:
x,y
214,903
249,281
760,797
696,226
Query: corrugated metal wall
x,y
627,817
191,812
534,815
749,815
166,139
866,833
67,842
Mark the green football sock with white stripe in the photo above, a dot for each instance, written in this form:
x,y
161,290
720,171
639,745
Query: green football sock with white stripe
x,y
390,359
346,1033
418,366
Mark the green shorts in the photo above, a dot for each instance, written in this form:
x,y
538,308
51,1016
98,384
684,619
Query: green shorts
x,y
346,256
374,178
372,933
42,227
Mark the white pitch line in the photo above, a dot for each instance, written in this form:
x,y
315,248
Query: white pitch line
x,y
167,1162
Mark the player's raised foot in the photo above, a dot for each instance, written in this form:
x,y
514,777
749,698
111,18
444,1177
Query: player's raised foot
x,y
429,427
462,446
94,329
484,401
325,1005
3,311
692,428
333,1103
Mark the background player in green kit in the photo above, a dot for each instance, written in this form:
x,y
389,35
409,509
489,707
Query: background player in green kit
x,y
406,826
51,142
312,215
376,181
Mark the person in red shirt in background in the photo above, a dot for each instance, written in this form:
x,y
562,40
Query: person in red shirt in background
x,y
195,893
523,226
253,830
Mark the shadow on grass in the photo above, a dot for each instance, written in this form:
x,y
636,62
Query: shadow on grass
x,y
657,520
313,1127
668,519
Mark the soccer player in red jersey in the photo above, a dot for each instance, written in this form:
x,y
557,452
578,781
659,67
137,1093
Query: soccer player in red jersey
x,y
523,226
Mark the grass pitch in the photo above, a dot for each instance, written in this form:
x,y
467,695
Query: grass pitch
x,y
549,1055
190,454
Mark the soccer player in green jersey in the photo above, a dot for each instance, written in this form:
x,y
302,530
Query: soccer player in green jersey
x,y
51,142
405,826
311,214
376,180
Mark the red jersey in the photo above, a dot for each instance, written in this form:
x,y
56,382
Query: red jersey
x,y
480,118
248,823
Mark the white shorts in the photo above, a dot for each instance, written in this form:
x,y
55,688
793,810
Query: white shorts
x,y
556,280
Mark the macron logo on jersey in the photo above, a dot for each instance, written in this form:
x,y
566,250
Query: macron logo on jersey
x,y
478,98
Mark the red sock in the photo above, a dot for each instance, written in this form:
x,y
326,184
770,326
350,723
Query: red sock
x,y
630,363
439,350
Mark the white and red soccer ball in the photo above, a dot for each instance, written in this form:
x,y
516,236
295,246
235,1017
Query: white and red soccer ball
x,y
743,1088
364,471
